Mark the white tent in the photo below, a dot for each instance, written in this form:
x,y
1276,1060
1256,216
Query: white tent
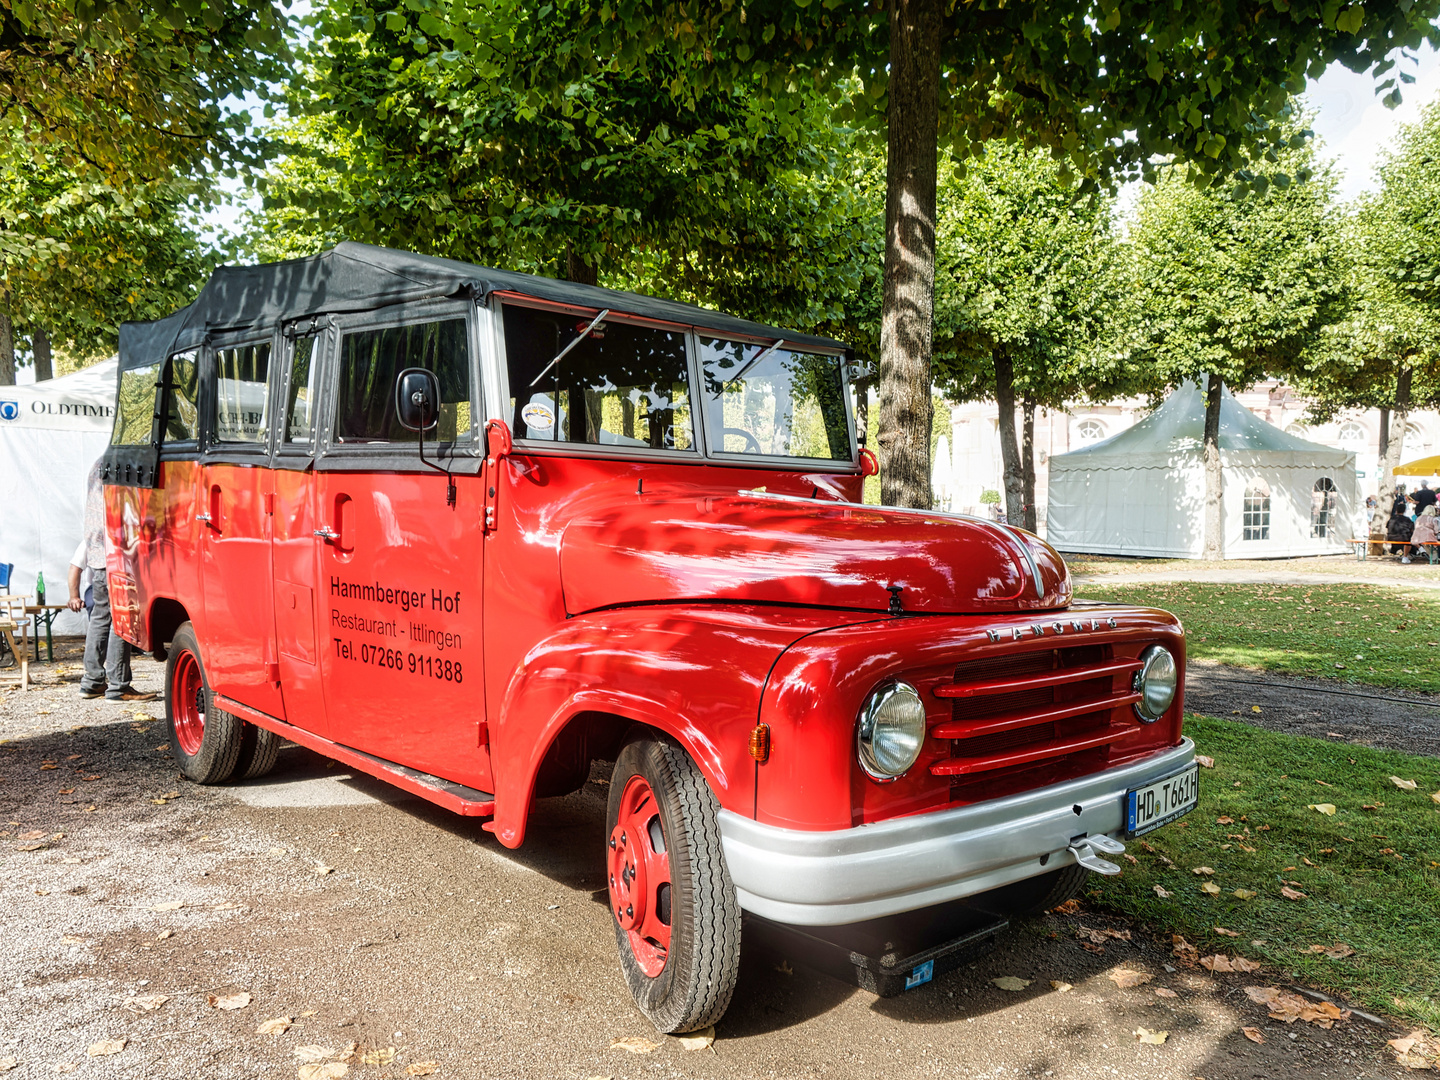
x,y
50,435
1142,492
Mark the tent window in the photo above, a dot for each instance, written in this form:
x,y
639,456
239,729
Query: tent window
x,y
135,408
1256,520
370,360
242,381
182,398
1322,507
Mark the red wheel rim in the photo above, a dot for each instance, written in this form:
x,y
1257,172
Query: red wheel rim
x,y
187,703
639,867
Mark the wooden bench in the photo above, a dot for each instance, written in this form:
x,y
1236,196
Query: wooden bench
x,y
1362,547
13,619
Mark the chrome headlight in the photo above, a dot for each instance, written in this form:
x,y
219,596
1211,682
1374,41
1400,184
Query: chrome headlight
x,y
1156,681
891,731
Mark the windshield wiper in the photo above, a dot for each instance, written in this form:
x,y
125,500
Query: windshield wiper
x,y
763,353
579,338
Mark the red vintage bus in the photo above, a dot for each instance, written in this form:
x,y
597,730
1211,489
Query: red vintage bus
x,y
471,531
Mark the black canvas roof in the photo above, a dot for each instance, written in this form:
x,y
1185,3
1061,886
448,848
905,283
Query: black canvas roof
x,y
355,277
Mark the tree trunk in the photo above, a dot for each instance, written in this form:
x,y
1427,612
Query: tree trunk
x,y
1027,463
40,347
907,315
7,351
1014,479
578,270
1214,482
1393,437
1385,486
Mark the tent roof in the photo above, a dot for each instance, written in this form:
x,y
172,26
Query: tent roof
x,y
1178,427
82,400
355,277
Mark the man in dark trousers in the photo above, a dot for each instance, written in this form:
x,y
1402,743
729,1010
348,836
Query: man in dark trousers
x,y
1423,498
107,654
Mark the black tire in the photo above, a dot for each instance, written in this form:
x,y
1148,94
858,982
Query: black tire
x,y
259,749
1053,889
208,751
701,961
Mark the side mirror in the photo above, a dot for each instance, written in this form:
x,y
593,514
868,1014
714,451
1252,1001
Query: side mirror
x,y
417,399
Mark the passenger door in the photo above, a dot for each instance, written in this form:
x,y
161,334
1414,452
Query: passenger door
x,y
235,509
400,565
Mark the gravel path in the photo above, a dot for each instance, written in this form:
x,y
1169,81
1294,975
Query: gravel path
x,y
393,935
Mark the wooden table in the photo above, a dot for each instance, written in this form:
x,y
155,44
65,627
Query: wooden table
x,y
47,614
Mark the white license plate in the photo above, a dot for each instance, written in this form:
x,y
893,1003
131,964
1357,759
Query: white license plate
x,y
1160,803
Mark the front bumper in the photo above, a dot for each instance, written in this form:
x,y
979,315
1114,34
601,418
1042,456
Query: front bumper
x,y
850,875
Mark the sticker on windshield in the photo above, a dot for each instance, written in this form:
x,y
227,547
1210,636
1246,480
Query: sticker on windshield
x,y
537,417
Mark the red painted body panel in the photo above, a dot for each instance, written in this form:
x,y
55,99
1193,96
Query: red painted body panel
x,y
154,550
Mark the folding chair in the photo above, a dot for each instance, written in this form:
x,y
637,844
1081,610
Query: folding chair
x,y
13,620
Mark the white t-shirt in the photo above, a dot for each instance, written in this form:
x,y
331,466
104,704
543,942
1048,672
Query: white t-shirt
x,y
78,559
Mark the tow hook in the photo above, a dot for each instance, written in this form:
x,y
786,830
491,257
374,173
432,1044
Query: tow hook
x,y
1085,849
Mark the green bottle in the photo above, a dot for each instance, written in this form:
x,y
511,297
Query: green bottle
x,y
40,588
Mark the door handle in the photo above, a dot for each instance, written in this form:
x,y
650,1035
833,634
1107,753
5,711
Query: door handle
x,y
327,534
203,517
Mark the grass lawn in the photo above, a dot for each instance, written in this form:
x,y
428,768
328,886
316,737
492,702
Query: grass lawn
x,y
1359,633
1369,872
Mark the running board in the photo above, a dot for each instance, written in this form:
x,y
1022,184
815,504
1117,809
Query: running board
x,y
466,801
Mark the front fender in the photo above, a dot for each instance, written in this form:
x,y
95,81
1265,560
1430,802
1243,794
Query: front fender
x,y
695,672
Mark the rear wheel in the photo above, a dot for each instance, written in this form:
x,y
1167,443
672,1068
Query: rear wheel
x,y
677,920
206,740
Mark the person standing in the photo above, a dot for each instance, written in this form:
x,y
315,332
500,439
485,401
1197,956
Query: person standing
x,y
107,654
1399,505
1423,498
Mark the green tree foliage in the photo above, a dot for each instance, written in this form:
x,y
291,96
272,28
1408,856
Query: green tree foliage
x,y
134,89
1025,283
1108,85
78,255
1234,286
616,183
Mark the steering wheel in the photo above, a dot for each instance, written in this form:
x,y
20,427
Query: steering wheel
x,y
750,440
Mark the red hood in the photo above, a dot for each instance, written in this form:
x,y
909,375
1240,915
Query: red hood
x,y
768,549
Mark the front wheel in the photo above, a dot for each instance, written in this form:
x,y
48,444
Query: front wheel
x,y
206,740
677,919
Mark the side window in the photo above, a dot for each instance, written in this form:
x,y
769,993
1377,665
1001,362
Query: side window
x,y
182,398
242,391
135,408
300,408
619,385
774,401
371,359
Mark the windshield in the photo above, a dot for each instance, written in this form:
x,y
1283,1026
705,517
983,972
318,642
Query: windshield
x,y
776,402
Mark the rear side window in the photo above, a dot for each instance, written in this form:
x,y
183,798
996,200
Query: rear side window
x,y
300,410
135,407
242,390
774,402
621,384
370,360
182,398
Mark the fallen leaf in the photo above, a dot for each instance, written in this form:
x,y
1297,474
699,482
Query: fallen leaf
x,y
635,1044
1226,933
1103,934
323,870
1435,796
230,1001
33,834
1322,783
1403,785
1203,870
1153,1038
1011,983
32,847
1289,1007
1207,762
1245,894
278,1026
148,1003
1291,894
378,1056
6,1064
228,905
1211,888
48,766
422,1068
1326,808
698,1040
1183,949
1124,978
1069,907
1163,892
329,1070
1253,1034
1165,992
67,791
164,934
1224,821
1218,962
169,905
71,939
1338,951
106,1047
1060,987
312,1053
